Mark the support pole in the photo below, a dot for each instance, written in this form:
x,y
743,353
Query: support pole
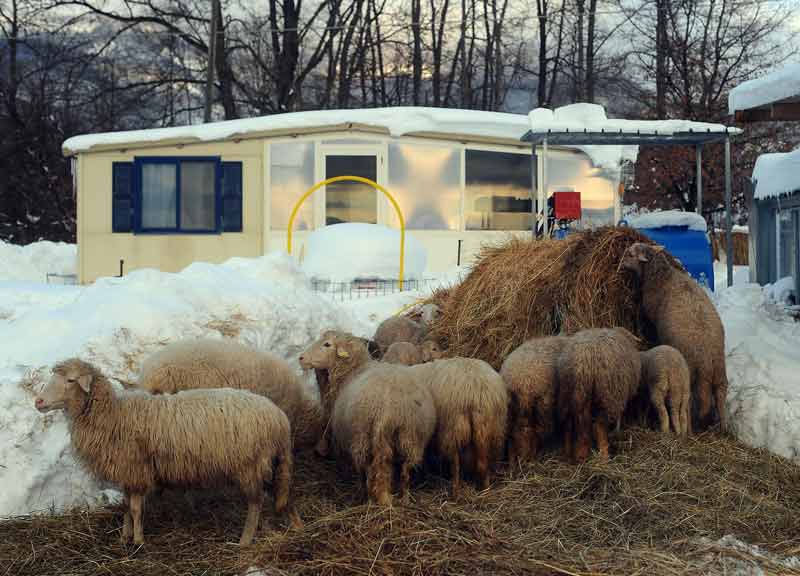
x,y
212,58
543,189
728,216
699,159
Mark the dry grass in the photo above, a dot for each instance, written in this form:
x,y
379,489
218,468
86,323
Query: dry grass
x,y
528,288
231,326
647,511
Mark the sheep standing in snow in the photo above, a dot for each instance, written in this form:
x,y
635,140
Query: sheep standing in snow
x,y
685,318
398,329
381,417
471,411
666,382
207,363
199,438
403,353
599,372
530,376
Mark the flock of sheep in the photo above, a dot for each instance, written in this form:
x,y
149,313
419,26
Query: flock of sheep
x,y
212,412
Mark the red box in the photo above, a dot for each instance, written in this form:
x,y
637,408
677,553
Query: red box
x,y
567,205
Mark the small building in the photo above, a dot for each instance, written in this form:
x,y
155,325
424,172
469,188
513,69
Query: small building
x,y
166,197
774,197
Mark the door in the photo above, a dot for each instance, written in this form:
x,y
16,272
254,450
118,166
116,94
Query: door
x,y
349,201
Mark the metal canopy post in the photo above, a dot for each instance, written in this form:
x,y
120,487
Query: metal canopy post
x,y
699,158
728,217
534,201
543,188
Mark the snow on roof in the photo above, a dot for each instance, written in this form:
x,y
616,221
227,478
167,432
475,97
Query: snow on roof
x,y
777,174
774,87
398,121
692,220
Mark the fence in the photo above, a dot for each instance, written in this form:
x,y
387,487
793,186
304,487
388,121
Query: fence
x,y
371,287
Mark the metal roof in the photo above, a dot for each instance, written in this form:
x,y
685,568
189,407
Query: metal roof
x,y
621,137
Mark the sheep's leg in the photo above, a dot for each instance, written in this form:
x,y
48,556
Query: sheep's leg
x,y
601,435
686,417
136,506
283,489
482,463
583,432
720,394
455,472
254,505
405,481
379,477
127,528
675,414
659,404
568,426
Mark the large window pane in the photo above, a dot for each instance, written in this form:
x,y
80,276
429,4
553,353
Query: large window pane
x,y
786,254
573,171
291,174
159,196
349,201
198,181
425,181
498,191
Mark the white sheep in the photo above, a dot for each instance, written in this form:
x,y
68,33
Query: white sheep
x,y
199,438
471,411
208,363
666,382
398,329
380,416
403,353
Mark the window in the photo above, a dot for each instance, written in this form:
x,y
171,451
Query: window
x,y
291,174
351,201
786,244
177,195
498,191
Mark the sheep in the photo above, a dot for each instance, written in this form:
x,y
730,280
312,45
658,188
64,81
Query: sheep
x,y
429,313
685,318
403,353
471,411
431,350
665,380
529,373
598,372
207,363
379,415
198,438
398,329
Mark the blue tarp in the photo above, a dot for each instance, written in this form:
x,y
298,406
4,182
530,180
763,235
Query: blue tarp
x,y
690,247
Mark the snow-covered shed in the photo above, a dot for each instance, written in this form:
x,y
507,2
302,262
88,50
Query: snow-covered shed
x,y
775,202
166,197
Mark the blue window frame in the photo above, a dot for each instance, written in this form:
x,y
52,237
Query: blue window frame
x,y
122,204
178,195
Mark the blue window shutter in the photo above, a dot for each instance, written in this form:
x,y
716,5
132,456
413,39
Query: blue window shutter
x,y
122,197
231,196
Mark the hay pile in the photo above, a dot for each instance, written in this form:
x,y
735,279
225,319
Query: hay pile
x,y
660,506
528,288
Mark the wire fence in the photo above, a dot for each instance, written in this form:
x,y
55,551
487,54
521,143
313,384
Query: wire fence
x,y
371,287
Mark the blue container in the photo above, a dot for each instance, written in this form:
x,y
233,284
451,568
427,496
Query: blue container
x,y
690,247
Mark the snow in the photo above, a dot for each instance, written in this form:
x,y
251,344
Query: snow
x,y
776,174
397,121
747,559
773,87
372,251
692,220
34,261
781,291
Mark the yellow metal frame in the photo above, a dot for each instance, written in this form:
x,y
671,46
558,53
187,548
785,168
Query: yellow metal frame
x,y
372,183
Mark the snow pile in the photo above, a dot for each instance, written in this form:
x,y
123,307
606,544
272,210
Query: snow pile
x,y
763,361
692,220
781,292
777,174
115,323
747,559
343,252
774,87
33,262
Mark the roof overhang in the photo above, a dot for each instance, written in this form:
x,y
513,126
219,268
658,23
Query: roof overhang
x,y
787,109
568,137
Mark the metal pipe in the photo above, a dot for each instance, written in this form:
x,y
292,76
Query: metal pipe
x,y
543,189
728,216
699,161
458,258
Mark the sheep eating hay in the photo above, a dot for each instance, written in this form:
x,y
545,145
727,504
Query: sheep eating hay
x,y
398,329
403,353
381,417
207,363
199,438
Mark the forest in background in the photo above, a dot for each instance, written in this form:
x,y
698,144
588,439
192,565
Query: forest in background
x,y
78,66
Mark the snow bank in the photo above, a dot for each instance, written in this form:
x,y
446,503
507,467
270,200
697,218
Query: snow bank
x,y
775,86
777,174
115,323
33,262
746,559
692,220
763,361
342,252
781,291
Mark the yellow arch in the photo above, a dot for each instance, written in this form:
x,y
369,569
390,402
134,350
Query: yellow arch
x,y
372,183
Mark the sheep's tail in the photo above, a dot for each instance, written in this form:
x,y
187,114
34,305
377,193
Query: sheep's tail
x,y
283,478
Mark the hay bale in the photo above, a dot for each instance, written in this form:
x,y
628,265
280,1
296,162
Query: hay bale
x,y
528,288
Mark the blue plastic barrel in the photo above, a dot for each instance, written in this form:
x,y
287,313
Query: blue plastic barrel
x,y
690,247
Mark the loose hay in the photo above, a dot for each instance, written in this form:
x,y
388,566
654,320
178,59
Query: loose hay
x,y
658,507
528,288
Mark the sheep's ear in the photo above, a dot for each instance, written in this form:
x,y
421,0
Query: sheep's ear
x,y
643,257
342,353
85,382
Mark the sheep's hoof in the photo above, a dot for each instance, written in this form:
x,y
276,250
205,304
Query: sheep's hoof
x,y
295,523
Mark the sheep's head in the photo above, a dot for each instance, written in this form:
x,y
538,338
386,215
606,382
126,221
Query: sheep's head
x,y
324,352
70,384
639,254
431,351
430,313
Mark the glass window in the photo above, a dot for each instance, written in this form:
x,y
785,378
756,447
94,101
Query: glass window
x,y
159,184
350,201
198,198
574,172
291,174
425,181
498,191
786,254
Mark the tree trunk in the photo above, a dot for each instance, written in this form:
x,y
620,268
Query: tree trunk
x,y
661,59
580,94
541,88
416,59
590,73
224,71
